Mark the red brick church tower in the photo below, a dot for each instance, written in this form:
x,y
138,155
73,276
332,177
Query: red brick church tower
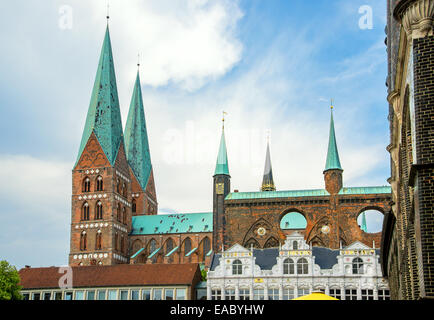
x,y
101,179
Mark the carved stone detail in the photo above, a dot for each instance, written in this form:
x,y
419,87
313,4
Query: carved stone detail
x,y
418,19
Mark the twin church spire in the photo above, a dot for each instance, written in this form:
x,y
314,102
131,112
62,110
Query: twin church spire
x,y
104,119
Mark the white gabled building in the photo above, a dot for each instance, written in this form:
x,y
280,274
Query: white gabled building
x,y
296,269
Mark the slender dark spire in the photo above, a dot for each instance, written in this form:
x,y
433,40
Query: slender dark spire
x,y
267,181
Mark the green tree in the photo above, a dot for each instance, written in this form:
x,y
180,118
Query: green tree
x,y
9,282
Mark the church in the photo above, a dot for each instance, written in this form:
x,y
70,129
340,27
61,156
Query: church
x,y
114,213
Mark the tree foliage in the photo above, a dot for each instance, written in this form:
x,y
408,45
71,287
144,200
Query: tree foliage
x,y
9,282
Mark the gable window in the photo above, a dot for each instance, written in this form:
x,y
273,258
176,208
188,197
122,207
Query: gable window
x,y
302,266
295,245
237,267
86,185
99,184
357,266
288,266
98,211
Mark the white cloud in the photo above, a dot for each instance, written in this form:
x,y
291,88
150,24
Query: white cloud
x,y
185,42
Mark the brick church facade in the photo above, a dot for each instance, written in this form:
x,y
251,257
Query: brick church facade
x,y
407,244
114,202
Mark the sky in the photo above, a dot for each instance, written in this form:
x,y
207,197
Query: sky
x,y
271,65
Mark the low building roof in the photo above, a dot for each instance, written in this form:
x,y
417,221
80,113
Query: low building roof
x,y
113,276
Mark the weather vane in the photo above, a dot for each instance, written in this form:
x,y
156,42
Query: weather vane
x,y
223,120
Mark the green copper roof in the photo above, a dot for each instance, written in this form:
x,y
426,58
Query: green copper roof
x,y
172,223
136,138
305,193
292,221
364,227
332,153
104,116
222,166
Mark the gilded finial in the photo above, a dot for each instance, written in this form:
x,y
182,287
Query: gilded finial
x,y
138,60
108,10
223,120
331,104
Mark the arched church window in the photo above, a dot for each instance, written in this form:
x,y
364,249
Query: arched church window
x,y
118,186
98,211
83,241
122,244
85,212
116,241
124,190
187,246
169,245
206,247
237,267
98,240
302,266
134,206
99,184
118,212
152,246
124,216
288,266
357,266
86,184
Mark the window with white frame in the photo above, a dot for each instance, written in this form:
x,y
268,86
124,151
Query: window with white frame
x,y
180,294
146,294
288,293
79,295
90,295
288,266
157,294
124,295
168,294
350,294
230,294
335,293
303,292
216,294
258,294
101,294
367,294
47,295
383,294
112,295
237,267
357,266
302,266
135,294
273,294
244,294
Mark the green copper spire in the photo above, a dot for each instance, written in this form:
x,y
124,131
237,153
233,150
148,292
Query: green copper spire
x,y
104,116
364,225
222,166
136,138
332,154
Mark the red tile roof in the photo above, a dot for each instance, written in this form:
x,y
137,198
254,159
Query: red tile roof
x,y
116,275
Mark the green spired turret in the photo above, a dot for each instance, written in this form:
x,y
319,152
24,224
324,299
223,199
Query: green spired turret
x,y
222,166
136,138
364,226
332,154
104,115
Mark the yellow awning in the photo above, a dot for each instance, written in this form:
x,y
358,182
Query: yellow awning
x,y
316,296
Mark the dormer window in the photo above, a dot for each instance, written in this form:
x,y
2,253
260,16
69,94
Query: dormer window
x,y
288,266
357,266
237,267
